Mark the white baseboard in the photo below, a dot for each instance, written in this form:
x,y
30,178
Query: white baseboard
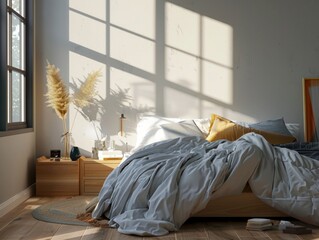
x,y
16,200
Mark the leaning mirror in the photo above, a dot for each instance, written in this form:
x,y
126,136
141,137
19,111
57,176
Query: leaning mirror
x,y
311,109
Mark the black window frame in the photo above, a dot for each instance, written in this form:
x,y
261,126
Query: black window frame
x,y
26,126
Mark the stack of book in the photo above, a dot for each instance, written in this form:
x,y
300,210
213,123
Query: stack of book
x,y
297,230
259,224
110,154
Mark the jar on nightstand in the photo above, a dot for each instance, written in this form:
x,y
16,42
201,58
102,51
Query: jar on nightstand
x,y
75,153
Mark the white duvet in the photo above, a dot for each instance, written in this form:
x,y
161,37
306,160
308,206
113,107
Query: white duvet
x,y
159,187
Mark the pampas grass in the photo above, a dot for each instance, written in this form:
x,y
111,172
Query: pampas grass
x,y
83,97
59,99
57,96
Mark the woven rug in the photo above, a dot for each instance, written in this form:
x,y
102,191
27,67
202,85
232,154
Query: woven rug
x,y
64,211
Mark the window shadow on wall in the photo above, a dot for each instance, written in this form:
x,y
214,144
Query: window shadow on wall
x,y
158,57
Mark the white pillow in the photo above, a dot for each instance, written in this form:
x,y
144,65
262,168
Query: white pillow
x,y
203,124
152,129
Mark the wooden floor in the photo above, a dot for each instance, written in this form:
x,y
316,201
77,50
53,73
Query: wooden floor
x,y
19,224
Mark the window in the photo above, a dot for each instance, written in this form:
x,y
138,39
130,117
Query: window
x,y
16,65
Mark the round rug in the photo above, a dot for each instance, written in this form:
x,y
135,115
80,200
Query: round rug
x,y
64,211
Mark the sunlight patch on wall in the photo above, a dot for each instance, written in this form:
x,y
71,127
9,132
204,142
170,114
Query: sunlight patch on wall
x,y
217,42
141,90
179,104
199,53
182,29
209,108
85,127
182,69
80,66
239,117
133,50
83,132
98,9
217,54
217,82
140,95
87,32
137,16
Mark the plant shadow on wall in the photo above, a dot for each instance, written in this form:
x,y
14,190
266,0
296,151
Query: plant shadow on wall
x,y
59,98
104,115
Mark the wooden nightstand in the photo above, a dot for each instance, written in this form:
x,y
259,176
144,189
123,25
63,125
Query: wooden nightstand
x,y
57,178
93,173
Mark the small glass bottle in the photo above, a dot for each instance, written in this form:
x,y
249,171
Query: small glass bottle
x,y
94,153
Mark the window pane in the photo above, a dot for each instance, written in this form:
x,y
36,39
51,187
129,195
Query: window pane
x,y
18,6
8,39
17,97
23,46
16,65
8,97
17,42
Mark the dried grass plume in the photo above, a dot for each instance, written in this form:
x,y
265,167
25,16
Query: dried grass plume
x,y
57,95
84,95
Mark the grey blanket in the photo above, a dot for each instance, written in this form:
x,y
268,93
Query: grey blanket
x,y
159,187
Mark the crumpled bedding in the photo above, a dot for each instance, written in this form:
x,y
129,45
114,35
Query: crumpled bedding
x,y
310,149
159,187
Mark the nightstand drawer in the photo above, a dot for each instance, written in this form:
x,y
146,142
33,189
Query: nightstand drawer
x,y
57,178
93,186
93,174
96,170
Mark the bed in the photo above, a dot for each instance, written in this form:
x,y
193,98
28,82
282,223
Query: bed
x,y
246,204
231,171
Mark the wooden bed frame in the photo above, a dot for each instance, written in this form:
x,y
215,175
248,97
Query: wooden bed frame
x,y
244,205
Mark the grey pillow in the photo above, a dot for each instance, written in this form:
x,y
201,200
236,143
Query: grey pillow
x,y
276,126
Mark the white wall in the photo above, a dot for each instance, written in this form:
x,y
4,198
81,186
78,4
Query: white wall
x,y
17,165
242,59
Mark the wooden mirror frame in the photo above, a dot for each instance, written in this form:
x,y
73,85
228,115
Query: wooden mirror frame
x,y
311,109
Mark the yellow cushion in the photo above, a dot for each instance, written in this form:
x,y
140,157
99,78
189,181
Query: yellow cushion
x,y
222,128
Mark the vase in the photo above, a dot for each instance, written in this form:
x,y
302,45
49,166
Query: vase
x,y
75,153
65,138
